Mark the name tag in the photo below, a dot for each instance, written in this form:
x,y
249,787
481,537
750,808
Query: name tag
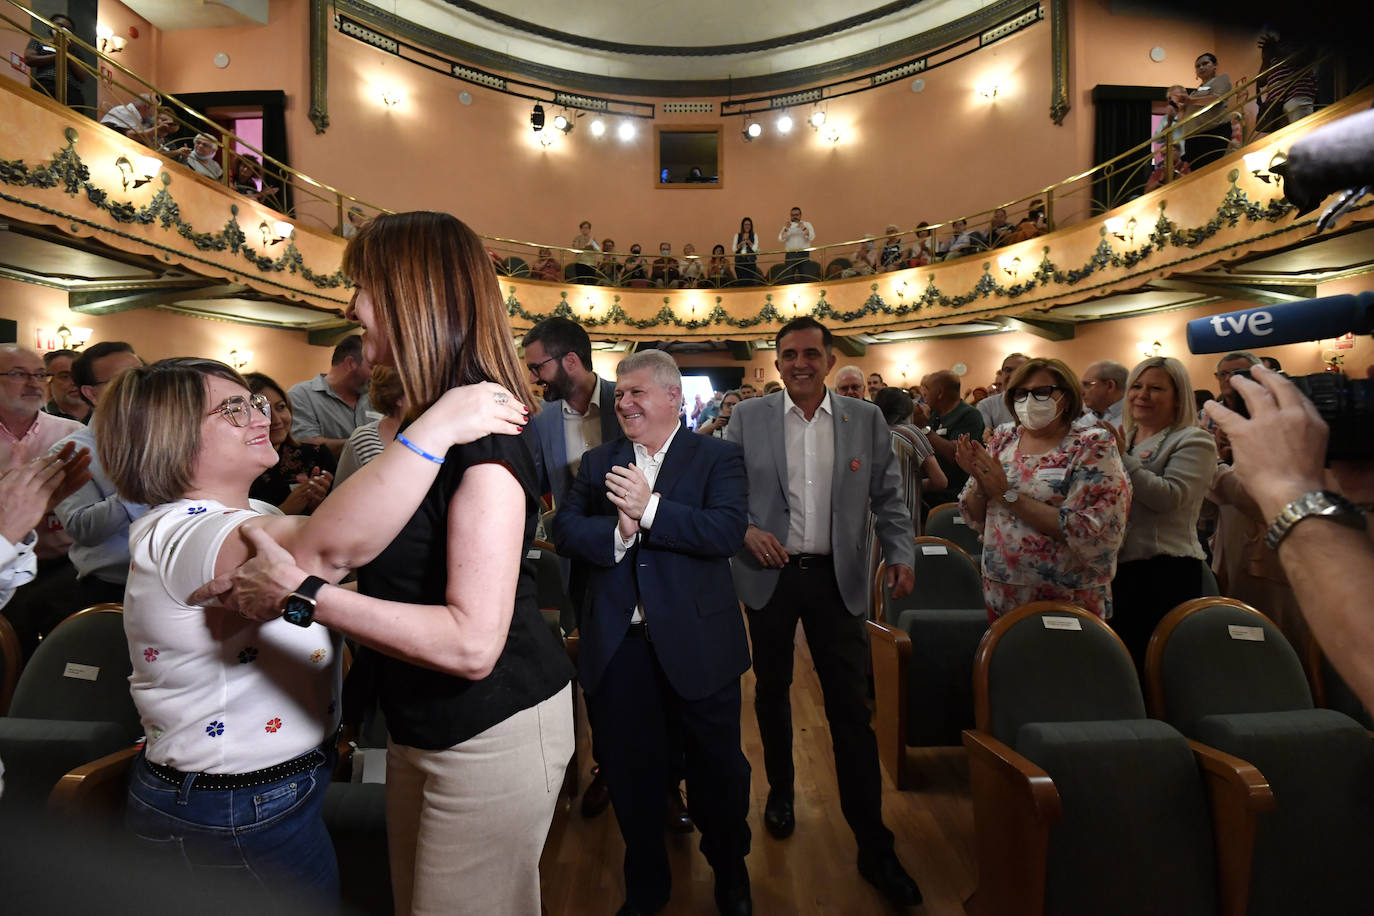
x,y
373,415
1062,623
1252,634
958,520
934,550
942,431
534,554
81,672
1051,475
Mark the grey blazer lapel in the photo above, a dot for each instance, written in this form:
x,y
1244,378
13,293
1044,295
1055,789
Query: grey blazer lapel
x,y
844,453
777,441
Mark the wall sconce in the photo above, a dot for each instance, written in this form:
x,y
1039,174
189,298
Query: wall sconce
x,y
900,289
833,134
108,41
1011,266
1148,350
1261,164
73,338
391,97
275,233
140,171
239,359
988,91
1122,228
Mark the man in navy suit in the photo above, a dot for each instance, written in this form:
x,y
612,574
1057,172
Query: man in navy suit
x,y
652,523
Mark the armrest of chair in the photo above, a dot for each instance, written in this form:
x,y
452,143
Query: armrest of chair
x,y
1014,804
96,788
891,652
570,645
1237,794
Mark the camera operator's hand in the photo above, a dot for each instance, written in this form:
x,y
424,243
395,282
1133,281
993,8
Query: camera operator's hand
x,y
1280,451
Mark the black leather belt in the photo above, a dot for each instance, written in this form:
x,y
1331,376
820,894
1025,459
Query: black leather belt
x,y
638,630
809,560
220,781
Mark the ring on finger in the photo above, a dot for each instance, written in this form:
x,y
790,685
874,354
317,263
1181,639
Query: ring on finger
x,y
500,397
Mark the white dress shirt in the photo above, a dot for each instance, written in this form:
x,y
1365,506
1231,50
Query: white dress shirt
x,y
18,565
650,465
795,236
810,466
582,431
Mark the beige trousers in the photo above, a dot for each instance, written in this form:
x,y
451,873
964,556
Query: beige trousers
x,y
466,825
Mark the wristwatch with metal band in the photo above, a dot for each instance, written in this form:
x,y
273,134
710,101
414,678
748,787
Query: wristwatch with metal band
x,y
299,607
1317,504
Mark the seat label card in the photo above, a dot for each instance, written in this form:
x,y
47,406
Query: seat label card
x,y
1062,623
1254,634
81,672
934,550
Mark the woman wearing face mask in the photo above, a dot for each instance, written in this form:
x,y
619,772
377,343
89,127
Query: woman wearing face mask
x,y
1050,497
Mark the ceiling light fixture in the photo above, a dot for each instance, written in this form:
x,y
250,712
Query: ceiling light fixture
x,y
784,123
817,119
752,130
626,131
537,118
597,127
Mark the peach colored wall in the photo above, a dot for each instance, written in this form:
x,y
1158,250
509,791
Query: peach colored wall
x,y
896,163
1116,340
139,54
284,355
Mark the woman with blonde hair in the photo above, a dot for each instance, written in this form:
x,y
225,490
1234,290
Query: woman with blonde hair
x,y
1049,496
240,716
474,687
1170,461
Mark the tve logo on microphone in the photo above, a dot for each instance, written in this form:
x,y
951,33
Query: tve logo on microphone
x,y
1255,323
1272,325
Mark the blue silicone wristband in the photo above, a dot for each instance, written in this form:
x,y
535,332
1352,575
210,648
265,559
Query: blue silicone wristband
x,y
417,450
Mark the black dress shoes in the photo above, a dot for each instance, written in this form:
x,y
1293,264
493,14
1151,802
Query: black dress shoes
x,y
597,798
733,899
884,871
678,820
778,816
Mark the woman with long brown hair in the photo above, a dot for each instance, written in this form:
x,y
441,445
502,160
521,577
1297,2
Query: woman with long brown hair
x,y
473,685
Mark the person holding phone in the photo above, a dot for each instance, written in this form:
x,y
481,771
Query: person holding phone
x,y
716,425
796,236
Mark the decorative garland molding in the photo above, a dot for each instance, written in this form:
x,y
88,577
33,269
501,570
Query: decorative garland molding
x,y
319,64
1059,60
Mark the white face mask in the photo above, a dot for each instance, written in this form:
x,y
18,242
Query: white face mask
x,y
1036,415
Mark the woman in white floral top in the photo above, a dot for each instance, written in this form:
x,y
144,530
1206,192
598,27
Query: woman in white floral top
x,y
1050,497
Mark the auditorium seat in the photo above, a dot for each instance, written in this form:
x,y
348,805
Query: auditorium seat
x,y
947,522
11,662
1224,674
1081,804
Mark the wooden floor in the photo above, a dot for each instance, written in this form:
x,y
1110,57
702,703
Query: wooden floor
x,y
811,872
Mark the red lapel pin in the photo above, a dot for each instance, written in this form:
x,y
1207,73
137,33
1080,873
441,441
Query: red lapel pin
x,y
855,464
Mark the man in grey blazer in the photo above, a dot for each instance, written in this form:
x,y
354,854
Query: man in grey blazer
x,y
817,464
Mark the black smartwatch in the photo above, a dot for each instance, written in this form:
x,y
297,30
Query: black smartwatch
x,y
299,607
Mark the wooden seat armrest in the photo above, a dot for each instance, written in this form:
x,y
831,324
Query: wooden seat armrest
x,y
1010,767
96,788
570,645
891,652
1237,795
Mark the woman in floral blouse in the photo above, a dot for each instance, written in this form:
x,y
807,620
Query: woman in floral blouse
x,y
1050,496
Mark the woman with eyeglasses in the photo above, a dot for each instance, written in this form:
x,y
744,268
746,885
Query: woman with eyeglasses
x,y
1171,462
1050,497
240,715
302,477
475,689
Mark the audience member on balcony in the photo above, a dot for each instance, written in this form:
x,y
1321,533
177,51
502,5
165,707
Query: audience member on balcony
x,y
1288,90
609,268
1181,168
303,474
864,261
892,249
41,56
665,274
691,269
368,440
715,426
140,120
64,394
963,241
718,272
584,267
636,266
1033,225
247,179
795,235
327,408
849,381
1049,497
1170,461
995,410
746,249
200,157
922,249
547,268
999,227
949,418
354,218
1208,126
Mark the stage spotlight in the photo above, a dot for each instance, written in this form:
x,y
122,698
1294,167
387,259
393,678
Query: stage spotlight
x,y
784,123
817,119
563,123
537,117
597,127
752,130
626,131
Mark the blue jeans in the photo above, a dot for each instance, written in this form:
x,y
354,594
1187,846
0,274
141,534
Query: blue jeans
x,y
272,834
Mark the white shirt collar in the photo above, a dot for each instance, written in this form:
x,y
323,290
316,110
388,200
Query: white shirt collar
x,y
788,405
657,457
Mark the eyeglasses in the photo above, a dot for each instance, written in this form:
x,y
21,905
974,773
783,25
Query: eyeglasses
x,y
235,409
1227,373
535,367
1042,393
19,375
